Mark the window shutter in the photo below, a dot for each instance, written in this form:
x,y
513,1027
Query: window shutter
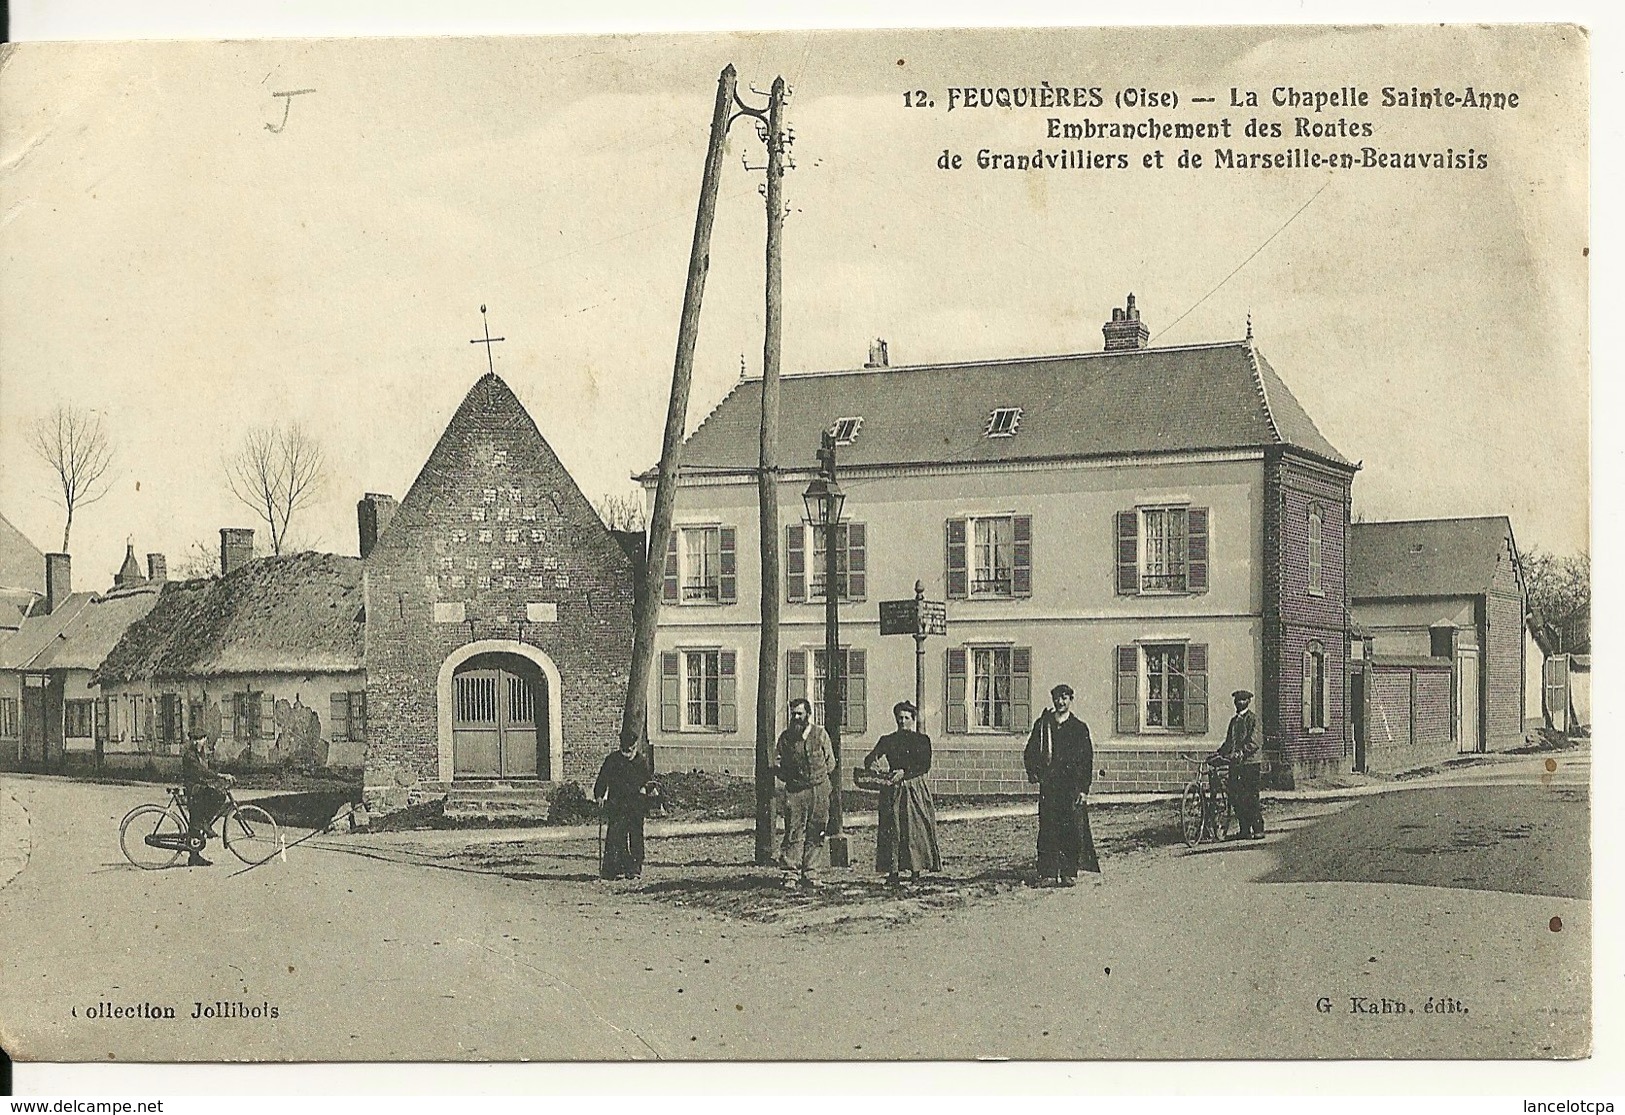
x,y
1196,574
795,676
1021,686
1021,575
1196,686
358,715
795,563
1308,688
956,715
1128,553
958,573
101,719
728,568
668,585
147,718
855,716
727,692
671,693
1128,688
267,716
857,561
338,716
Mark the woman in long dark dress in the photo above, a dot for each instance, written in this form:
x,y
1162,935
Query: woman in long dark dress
x,y
908,816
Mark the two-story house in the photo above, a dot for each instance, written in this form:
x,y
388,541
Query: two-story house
x,y
1154,526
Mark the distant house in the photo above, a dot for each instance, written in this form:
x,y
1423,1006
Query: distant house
x,y
1449,590
49,709
265,660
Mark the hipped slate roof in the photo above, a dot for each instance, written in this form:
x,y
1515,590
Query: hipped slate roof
x,y
87,631
295,614
1142,401
1426,557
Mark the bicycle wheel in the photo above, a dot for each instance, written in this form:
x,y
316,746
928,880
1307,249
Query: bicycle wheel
x,y
150,820
1191,815
1218,815
251,834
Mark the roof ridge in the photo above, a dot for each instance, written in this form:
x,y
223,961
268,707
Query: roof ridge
x,y
1263,392
892,369
1434,519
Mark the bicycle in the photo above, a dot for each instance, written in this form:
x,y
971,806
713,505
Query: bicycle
x,y
1204,807
153,836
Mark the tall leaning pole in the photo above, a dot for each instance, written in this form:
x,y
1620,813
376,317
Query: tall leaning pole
x,y
634,718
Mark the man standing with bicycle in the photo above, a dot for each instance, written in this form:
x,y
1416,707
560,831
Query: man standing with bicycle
x,y
1245,755
205,796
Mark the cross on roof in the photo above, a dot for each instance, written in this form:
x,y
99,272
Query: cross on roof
x,y
488,341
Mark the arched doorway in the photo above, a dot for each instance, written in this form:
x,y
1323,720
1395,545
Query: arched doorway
x,y
499,713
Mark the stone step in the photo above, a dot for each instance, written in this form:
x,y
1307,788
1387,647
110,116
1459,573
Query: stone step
x,y
498,794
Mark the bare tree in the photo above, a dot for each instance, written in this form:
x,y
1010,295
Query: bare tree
x,y
199,560
75,443
622,511
1559,591
276,471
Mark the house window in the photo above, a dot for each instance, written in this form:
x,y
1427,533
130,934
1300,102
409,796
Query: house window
x,y
846,430
8,718
1314,550
1161,688
854,685
134,710
698,690
1162,550
79,719
701,566
1003,422
989,689
805,579
245,715
347,713
990,557
169,718
1315,681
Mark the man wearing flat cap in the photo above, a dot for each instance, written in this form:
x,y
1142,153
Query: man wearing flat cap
x,y
1241,748
1060,757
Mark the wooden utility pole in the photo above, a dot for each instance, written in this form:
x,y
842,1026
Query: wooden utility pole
x,y
767,484
634,719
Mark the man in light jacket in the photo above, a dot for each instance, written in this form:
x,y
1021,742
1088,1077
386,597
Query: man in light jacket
x,y
804,761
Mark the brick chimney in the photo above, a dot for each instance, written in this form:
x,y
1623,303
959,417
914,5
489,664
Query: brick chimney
x,y
157,569
372,513
877,354
1125,331
130,572
58,580
236,549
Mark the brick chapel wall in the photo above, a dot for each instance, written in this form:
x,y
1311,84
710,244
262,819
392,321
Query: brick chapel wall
x,y
493,522
1295,617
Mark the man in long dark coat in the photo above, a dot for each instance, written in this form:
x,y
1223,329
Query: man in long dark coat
x,y
620,790
1060,757
1241,748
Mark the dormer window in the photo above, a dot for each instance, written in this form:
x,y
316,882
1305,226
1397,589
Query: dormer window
x,y
1003,422
846,430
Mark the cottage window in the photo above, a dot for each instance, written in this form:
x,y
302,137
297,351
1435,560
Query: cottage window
x,y
845,430
805,580
1314,550
8,718
990,557
169,718
1315,687
79,719
1003,422
347,713
1162,550
698,690
1161,688
989,689
245,715
854,685
701,566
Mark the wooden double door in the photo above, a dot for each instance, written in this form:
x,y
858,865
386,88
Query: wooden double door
x,y
499,719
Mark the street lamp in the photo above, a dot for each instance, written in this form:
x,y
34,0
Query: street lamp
x,y
824,500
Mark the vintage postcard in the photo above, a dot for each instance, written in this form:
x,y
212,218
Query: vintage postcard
x,y
1053,544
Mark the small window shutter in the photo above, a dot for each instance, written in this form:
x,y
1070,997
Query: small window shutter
x,y
671,693
857,561
855,717
338,716
795,563
147,719
267,716
668,584
728,568
956,687
1128,689
358,715
101,719
1308,688
795,676
1021,684
958,573
727,692
1196,576
1021,576
1196,687
1128,553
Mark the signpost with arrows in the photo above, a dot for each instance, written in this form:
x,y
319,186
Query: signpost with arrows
x,y
920,618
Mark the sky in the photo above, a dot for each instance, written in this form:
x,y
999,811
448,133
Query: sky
x,y
194,268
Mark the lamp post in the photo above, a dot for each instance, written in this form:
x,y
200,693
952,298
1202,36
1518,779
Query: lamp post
x,y
824,500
